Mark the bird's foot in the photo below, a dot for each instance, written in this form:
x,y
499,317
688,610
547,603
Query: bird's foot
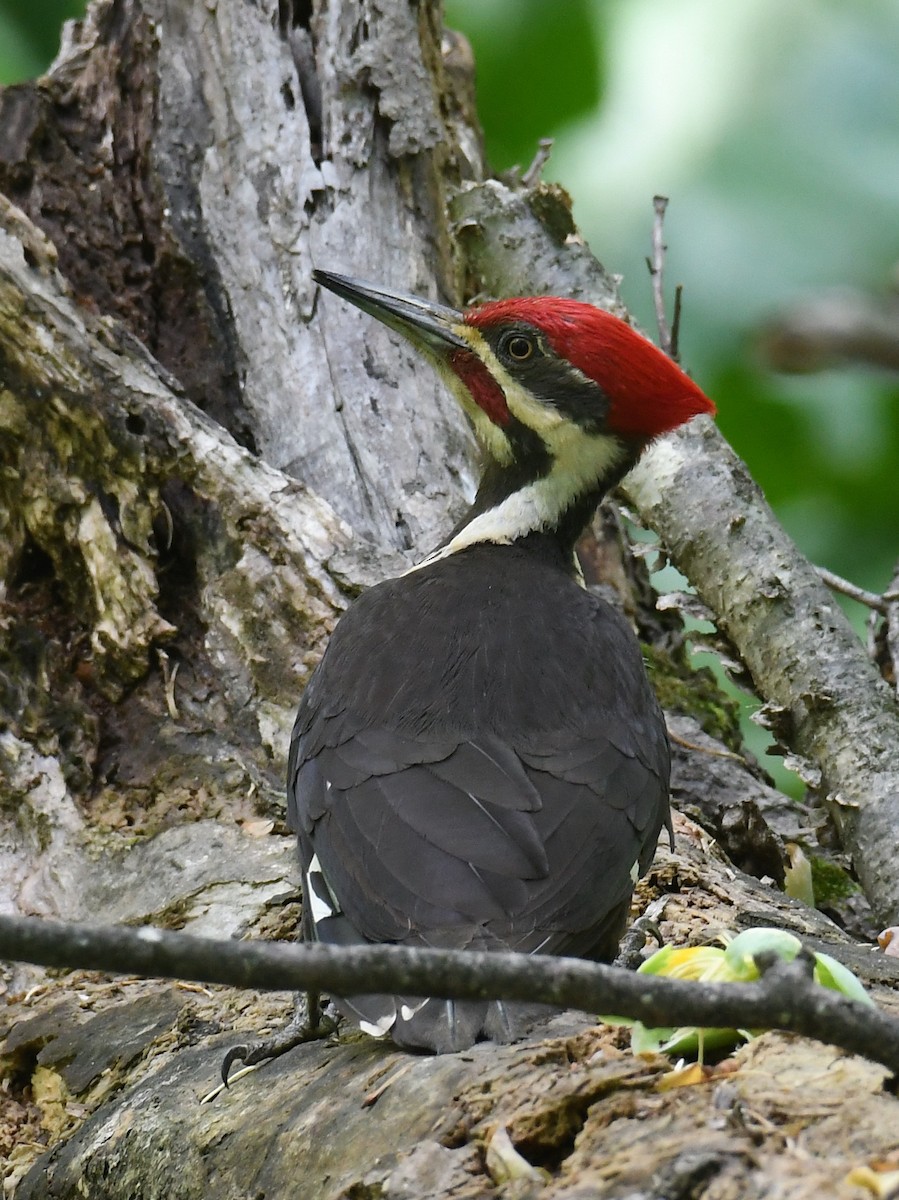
x,y
306,1025
630,954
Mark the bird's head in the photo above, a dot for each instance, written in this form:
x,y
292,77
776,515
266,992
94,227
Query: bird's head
x,y
540,361
562,395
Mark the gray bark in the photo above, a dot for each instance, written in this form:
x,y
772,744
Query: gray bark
x,y
247,185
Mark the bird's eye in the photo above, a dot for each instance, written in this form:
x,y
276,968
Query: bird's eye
x,y
519,347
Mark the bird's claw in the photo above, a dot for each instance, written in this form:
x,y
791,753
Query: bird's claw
x,y
294,1034
629,956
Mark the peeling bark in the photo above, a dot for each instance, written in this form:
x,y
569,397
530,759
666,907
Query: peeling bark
x,y
251,144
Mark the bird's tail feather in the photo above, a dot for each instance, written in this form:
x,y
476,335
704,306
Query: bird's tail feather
x,y
442,1026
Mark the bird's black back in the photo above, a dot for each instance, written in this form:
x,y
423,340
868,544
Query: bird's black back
x,y
478,761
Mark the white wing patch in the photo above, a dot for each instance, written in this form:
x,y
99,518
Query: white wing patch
x,y
408,1011
378,1029
321,900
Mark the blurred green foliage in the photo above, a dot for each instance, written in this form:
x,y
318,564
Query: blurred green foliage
x,y
537,67
29,35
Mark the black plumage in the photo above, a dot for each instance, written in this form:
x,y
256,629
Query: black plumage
x,y
478,761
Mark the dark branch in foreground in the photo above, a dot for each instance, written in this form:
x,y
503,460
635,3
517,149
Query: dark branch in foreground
x,y
783,999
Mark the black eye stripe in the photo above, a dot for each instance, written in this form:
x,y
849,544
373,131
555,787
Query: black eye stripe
x,y
548,377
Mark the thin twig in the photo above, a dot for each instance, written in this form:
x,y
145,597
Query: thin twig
x,y
713,751
880,603
540,159
783,999
656,266
892,626
675,322
872,623
168,676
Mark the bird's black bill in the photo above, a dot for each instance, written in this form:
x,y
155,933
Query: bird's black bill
x,y
424,322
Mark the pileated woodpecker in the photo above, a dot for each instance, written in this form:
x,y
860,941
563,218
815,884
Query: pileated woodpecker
x,y
479,760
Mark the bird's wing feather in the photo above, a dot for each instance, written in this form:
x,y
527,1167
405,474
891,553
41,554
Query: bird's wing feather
x,y
551,846
502,779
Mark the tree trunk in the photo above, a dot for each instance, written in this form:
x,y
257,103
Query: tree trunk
x,y
202,463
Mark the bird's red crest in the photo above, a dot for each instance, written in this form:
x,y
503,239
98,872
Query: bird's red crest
x,y
648,393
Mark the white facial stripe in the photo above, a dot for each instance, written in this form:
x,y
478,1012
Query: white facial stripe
x,y
579,461
539,417
542,418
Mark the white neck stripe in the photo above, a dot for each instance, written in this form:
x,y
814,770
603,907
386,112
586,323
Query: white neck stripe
x,y
580,461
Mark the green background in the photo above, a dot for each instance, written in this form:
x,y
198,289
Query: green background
x,y
29,35
774,130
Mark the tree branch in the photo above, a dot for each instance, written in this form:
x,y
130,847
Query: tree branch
x,y
784,999
769,600
874,600
800,649
836,328
668,335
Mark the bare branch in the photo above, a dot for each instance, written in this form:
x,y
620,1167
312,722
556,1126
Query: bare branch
x,y
839,327
656,264
784,999
675,323
870,599
539,161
